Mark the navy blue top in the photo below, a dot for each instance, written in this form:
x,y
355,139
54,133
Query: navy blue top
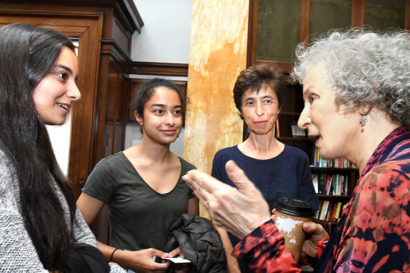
x,y
286,175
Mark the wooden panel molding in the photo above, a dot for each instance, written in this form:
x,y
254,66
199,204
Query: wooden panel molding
x,y
252,32
304,29
407,22
166,69
358,9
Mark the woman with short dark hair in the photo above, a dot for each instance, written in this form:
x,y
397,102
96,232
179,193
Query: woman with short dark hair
x,y
278,170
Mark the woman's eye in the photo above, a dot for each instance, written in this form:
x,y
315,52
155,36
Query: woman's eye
x,y
158,111
62,75
249,103
311,99
177,112
267,102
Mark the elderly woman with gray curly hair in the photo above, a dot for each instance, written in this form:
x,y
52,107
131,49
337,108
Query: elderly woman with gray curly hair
x,y
356,88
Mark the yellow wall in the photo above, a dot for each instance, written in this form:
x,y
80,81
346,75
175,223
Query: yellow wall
x,y
219,31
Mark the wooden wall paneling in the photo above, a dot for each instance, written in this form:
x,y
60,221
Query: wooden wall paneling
x,y
82,133
252,32
163,69
112,100
135,84
358,7
407,19
116,114
121,36
407,24
304,21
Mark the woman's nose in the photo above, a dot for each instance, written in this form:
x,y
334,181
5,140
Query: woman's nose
x,y
304,118
259,108
73,92
170,119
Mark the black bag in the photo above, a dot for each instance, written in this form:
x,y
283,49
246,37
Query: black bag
x,y
200,243
85,258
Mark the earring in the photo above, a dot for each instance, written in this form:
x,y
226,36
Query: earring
x,y
363,121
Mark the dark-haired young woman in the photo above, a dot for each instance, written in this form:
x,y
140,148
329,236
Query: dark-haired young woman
x,y
40,228
142,185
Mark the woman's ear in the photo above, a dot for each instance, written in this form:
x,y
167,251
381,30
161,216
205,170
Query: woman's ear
x,y
364,109
139,119
240,114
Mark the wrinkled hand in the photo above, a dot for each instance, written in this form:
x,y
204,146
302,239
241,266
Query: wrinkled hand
x,y
238,210
142,260
314,232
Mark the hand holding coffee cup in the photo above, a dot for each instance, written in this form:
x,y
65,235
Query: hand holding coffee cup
x,y
289,217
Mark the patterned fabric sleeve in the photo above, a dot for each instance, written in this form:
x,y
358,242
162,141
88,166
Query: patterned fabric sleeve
x,y
263,251
17,252
377,230
82,232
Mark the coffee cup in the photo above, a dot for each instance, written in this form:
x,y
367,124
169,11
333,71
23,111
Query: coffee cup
x,y
289,217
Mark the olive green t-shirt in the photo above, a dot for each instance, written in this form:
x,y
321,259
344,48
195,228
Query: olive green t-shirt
x,y
140,217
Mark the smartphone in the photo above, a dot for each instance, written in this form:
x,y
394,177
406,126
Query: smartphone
x,y
157,259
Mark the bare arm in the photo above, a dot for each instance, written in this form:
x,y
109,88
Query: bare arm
x,y
193,206
232,262
89,207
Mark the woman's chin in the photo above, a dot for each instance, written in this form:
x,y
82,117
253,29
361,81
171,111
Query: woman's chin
x,y
54,122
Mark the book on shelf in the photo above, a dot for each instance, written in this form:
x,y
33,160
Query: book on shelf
x,y
317,212
331,213
277,129
324,210
330,184
297,132
329,210
338,211
315,181
319,181
340,162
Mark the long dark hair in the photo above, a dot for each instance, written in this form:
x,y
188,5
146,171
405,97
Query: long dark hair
x,y
27,54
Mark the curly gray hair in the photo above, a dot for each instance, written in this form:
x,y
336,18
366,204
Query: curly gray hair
x,y
364,68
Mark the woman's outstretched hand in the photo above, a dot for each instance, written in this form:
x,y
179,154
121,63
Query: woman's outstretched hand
x,y
238,210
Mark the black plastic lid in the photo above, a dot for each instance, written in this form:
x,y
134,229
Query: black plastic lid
x,y
294,207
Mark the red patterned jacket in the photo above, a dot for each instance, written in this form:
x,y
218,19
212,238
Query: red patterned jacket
x,y
373,234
